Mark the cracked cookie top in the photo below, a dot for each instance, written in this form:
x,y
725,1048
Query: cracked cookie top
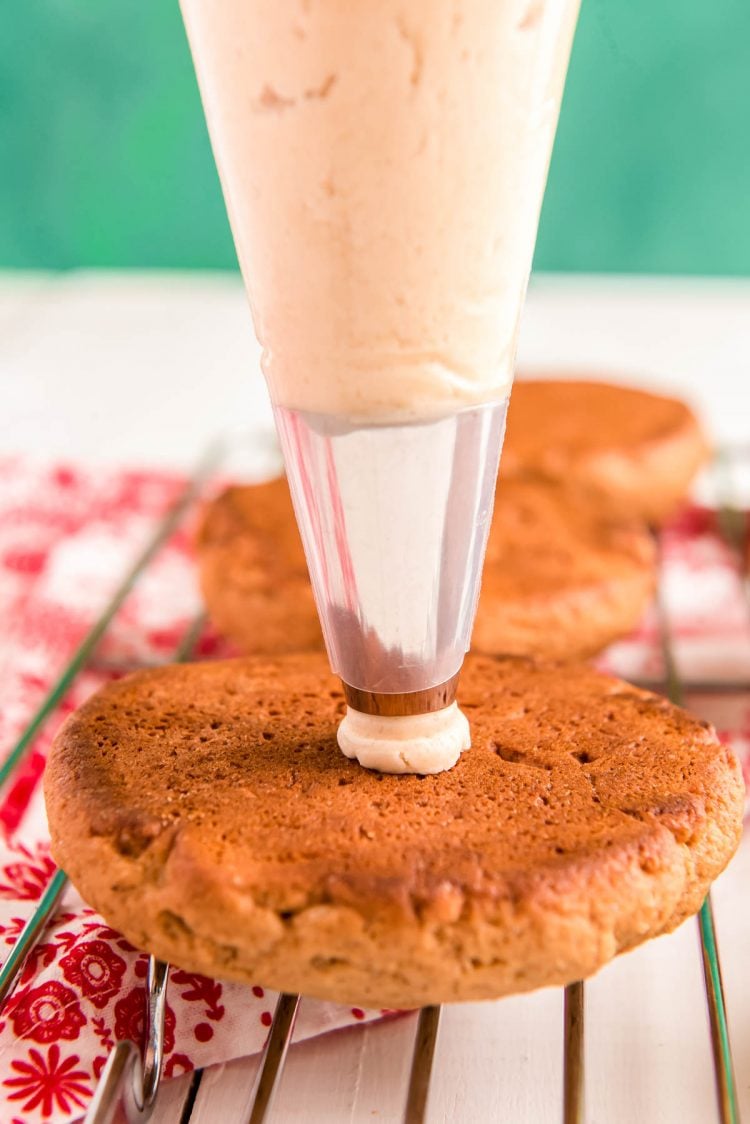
x,y
229,773
632,451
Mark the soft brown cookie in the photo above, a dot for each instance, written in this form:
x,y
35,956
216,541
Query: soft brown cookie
x,y
634,452
560,580
253,572
207,811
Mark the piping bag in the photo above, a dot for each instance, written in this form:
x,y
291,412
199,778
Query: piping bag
x,y
394,519
383,165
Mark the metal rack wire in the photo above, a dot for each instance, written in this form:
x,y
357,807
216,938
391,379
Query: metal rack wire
x,y
129,1084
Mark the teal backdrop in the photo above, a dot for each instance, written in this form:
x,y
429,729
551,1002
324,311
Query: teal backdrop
x,y
105,161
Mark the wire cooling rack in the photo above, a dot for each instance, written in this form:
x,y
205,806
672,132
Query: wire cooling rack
x,y
129,1085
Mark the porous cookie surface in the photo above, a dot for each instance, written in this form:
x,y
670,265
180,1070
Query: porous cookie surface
x,y
636,453
208,813
253,572
560,580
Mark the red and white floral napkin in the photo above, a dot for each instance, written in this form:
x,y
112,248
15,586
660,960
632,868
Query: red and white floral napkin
x,y
66,537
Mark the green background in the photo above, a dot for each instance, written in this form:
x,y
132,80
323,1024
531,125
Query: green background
x,y
105,161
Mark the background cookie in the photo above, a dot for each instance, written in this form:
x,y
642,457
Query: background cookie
x,y
560,579
253,572
208,813
636,453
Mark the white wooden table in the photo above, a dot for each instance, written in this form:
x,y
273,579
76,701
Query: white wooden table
x,y
146,369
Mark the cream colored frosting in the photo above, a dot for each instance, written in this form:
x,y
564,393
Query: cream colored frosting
x,y
414,743
383,164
